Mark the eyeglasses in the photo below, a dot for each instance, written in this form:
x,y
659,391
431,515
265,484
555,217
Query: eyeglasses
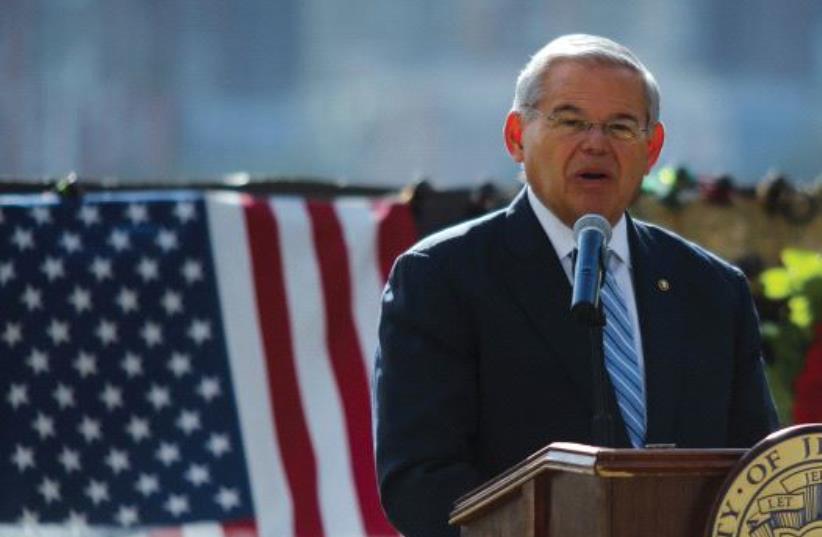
x,y
568,125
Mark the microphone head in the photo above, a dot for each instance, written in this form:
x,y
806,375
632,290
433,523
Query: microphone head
x,y
595,221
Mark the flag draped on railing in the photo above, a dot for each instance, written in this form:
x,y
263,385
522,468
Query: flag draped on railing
x,y
181,363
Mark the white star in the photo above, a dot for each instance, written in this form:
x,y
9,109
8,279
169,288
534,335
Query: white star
x,y
172,302
192,271
23,457
12,334
112,397
138,428
86,364
70,459
199,331
148,269
32,298
159,396
97,491
38,361
198,474
188,421
50,490
137,213
132,364
89,215
77,523
107,332
41,215
179,364
168,453
177,504
44,425
80,298
101,268
53,268
7,272
64,396
218,444
71,242
58,331
167,240
29,519
119,240
18,395
147,484
152,334
23,238
90,429
209,388
185,211
227,498
127,515
127,300
117,460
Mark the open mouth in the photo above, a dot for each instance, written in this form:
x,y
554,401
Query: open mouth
x,y
593,176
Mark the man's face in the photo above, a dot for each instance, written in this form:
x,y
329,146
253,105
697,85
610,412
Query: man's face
x,y
589,171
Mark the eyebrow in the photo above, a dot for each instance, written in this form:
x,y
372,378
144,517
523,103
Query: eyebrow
x,y
577,110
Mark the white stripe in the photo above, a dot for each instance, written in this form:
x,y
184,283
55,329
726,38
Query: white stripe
x,y
359,226
202,529
321,399
235,279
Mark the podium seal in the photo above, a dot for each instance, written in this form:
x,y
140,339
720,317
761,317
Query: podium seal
x,y
775,490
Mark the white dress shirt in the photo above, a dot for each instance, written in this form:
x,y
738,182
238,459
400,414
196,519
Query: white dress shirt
x,y
561,238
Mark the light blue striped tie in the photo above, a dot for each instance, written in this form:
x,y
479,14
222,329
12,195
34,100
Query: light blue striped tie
x,y
622,362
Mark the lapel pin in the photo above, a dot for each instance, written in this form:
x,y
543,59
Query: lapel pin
x,y
663,285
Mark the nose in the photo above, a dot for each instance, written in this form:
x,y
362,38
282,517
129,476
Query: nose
x,y
594,139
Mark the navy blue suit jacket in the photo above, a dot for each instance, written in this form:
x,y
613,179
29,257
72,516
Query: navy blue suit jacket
x,y
480,363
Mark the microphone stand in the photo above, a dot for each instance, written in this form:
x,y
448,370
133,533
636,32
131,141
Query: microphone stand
x,y
602,424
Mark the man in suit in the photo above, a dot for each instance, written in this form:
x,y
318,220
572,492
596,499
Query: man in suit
x,y
480,363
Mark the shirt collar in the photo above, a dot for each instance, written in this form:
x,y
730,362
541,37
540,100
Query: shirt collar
x,y
562,237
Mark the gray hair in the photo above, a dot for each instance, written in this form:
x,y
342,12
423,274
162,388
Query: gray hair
x,y
580,47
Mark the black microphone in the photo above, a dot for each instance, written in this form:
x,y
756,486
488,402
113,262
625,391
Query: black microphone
x,y
591,233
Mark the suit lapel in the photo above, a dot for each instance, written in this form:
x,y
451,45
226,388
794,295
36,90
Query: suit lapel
x,y
536,279
658,324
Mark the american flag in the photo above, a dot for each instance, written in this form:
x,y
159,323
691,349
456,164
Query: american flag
x,y
184,363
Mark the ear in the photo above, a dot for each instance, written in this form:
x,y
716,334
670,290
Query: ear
x,y
512,132
655,142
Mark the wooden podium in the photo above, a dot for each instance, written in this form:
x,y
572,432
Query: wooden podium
x,y
573,490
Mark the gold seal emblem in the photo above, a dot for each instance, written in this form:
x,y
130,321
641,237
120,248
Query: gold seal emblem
x,y
775,490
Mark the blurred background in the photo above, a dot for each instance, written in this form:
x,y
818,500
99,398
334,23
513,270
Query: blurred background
x,y
382,93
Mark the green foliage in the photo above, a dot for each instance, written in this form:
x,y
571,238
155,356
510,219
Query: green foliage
x,y
797,284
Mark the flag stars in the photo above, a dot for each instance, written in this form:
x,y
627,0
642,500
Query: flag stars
x,y
227,498
53,268
218,444
18,395
97,491
58,331
179,364
38,361
70,459
89,215
137,213
138,428
7,272
185,211
127,300
64,396
71,242
32,298
43,425
106,332
101,269
198,475
23,457
167,240
177,504
77,523
12,334
85,364
90,429
29,518
188,421
132,364
119,240
209,388
112,397
148,269
152,334
159,397
22,238
50,490
127,516
147,484
200,331
117,460
192,271
168,453
172,302
41,215
80,298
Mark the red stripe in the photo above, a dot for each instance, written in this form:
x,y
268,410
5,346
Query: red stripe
x,y
289,419
242,528
396,233
347,360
